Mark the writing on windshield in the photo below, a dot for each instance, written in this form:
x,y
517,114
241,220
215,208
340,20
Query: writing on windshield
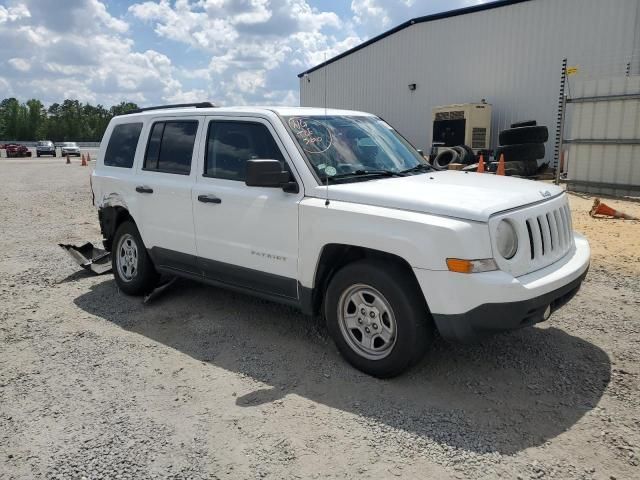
x,y
338,145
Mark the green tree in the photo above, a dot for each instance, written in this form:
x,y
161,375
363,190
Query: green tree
x,y
9,111
70,120
36,119
122,108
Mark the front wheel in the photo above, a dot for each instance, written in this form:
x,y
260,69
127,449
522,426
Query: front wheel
x,y
132,267
377,317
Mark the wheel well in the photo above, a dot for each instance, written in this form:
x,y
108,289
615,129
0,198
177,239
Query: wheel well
x,y
336,256
110,219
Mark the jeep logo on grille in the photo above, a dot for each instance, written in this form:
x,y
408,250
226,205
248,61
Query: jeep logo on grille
x,y
545,193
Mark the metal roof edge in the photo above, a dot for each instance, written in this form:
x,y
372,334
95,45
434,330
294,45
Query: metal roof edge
x,y
427,18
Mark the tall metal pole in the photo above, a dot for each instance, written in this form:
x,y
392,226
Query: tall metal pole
x,y
561,115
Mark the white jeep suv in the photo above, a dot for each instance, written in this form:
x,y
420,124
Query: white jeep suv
x,y
333,212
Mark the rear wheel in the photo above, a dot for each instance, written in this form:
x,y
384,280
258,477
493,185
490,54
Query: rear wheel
x,y
132,267
378,317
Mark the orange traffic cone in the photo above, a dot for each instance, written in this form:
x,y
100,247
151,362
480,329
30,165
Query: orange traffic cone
x,y
84,161
481,164
88,157
68,161
600,208
500,170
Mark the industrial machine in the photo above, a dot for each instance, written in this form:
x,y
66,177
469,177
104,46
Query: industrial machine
x,y
462,124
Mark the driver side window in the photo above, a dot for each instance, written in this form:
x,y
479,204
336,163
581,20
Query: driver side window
x,y
230,144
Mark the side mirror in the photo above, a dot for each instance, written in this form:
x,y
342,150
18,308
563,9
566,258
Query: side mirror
x,y
265,173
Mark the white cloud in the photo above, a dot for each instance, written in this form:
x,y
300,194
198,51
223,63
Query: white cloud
x,y
256,47
20,64
96,65
12,14
5,86
98,11
235,51
375,16
370,12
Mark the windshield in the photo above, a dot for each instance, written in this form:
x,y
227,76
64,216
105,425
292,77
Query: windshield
x,y
353,147
44,144
70,144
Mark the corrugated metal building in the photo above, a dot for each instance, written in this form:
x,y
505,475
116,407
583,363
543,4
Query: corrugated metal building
x,y
508,52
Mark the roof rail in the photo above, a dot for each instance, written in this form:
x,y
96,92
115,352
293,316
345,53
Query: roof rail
x,y
175,105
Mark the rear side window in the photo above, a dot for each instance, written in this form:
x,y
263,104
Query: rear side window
x,y
231,144
122,145
170,146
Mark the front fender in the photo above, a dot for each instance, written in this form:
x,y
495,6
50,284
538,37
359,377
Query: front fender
x,y
422,240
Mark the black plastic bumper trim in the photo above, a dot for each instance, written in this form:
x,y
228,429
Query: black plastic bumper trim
x,y
495,317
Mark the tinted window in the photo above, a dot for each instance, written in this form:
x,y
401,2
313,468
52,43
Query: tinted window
x,y
153,149
171,147
122,145
231,144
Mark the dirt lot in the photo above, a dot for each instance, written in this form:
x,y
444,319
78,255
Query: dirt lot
x,y
203,383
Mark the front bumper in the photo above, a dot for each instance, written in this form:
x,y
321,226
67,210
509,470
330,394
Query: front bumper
x,y
468,306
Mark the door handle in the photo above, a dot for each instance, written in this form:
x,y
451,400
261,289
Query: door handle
x,y
209,199
144,189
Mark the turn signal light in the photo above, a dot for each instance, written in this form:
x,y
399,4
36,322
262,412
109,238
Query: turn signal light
x,y
471,266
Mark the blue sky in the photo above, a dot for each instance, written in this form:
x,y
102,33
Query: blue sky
x,y
161,51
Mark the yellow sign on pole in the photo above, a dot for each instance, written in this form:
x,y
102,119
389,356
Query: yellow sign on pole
x,y
572,70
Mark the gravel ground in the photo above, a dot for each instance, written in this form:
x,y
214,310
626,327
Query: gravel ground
x,y
203,383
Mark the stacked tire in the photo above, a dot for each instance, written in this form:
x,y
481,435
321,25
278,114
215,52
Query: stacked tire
x,y
522,146
460,154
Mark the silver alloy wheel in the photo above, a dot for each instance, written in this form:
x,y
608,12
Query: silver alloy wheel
x,y
367,321
127,257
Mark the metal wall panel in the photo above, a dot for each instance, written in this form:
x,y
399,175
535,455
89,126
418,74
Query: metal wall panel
x,y
615,120
511,56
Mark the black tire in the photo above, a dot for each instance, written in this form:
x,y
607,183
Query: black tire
x,y
524,123
526,152
444,158
465,154
462,153
516,136
38,155
470,157
521,169
144,277
414,326
54,154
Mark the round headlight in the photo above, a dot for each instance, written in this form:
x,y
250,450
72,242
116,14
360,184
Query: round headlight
x,y
506,239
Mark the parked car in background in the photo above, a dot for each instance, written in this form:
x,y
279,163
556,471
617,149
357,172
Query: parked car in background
x,y
17,150
69,148
45,147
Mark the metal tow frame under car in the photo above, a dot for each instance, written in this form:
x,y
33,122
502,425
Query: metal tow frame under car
x,y
98,261
90,258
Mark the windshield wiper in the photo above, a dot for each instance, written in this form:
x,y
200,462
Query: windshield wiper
x,y
425,167
374,173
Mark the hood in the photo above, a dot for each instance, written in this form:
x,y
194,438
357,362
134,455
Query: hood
x,y
466,195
